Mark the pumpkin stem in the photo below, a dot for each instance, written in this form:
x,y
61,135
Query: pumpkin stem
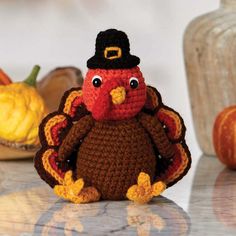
x,y
31,79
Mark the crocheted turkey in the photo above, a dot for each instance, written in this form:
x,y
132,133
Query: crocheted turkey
x,y
113,138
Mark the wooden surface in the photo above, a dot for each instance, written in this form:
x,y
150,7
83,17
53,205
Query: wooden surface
x,y
203,205
210,49
7,153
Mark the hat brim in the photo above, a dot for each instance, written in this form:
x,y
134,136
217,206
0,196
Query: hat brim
x,y
124,62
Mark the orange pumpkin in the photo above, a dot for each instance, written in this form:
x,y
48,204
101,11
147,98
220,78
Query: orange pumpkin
x,y
224,136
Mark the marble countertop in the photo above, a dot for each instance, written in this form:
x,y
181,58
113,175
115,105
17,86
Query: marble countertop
x,y
58,33
203,203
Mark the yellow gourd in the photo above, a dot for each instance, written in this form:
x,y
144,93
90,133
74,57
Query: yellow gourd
x,y
21,111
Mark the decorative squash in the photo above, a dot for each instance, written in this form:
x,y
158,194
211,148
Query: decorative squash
x,y
24,104
22,109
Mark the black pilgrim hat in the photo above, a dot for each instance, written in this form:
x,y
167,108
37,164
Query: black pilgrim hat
x,y
112,51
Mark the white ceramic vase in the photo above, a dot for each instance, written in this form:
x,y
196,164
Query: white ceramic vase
x,y
210,59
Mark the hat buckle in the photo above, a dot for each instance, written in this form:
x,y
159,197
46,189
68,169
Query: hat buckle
x,y
112,53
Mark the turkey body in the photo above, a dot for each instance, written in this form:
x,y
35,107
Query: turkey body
x,y
113,154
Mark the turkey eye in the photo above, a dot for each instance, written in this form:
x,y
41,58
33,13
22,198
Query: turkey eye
x,y
133,82
97,81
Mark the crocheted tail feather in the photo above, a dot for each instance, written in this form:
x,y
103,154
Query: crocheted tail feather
x,y
53,129
171,170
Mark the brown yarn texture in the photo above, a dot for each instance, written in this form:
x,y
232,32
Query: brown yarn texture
x,y
113,153
109,155
156,131
75,136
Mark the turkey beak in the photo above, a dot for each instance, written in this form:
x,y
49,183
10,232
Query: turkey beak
x,y
118,95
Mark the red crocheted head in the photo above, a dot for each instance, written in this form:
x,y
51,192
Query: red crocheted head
x,y
114,87
114,94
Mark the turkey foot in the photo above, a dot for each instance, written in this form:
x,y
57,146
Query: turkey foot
x,y
143,192
75,192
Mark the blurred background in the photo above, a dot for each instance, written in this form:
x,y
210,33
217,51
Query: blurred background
x,y
59,33
63,32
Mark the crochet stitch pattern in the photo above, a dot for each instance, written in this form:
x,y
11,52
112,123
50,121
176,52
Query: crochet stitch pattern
x,y
113,138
